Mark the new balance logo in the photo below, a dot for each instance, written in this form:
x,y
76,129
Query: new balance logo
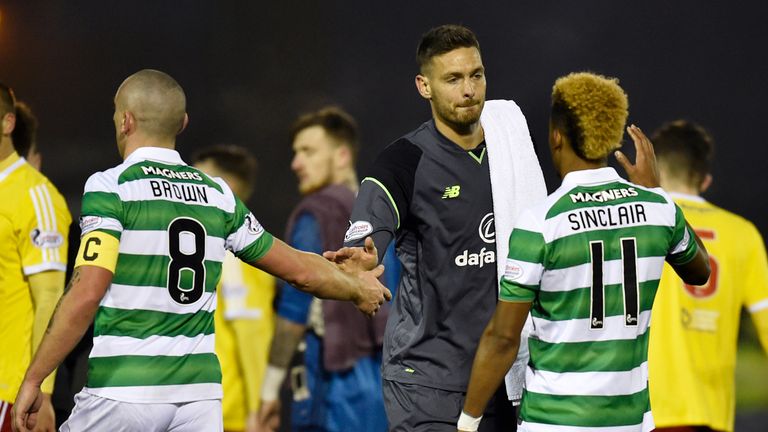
x,y
451,192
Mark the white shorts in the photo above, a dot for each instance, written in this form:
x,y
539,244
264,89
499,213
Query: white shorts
x,y
94,413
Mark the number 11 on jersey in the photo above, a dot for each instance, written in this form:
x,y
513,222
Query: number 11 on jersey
x,y
630,287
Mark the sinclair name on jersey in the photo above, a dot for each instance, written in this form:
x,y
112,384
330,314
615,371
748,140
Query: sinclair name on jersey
x,y
604,217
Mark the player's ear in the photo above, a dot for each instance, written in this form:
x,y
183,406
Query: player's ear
x,y
422,85
9,123
184,124
556,139
127,123
343,156
706,183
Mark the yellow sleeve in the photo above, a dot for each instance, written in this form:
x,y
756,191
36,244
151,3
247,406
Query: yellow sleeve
x,y
247,291
254,351
44,226
756,284
48,383
46,289
254,337
760,319
755,272
262,293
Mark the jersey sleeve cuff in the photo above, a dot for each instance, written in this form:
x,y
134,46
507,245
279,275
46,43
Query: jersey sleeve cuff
x,y
257,249
759,306
39,268
514,292
686,256
512,298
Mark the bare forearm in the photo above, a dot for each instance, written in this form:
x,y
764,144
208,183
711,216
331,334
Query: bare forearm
x,y
308,272
67,326
495,354
284,343
315,275
323,280
288,334
494,357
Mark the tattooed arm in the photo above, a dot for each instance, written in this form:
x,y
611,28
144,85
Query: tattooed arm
x,y
71,318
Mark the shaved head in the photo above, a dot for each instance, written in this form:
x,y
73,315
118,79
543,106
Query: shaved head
x,y
156,101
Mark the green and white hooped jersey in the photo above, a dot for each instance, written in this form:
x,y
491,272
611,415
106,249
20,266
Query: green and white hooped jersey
x,y
154,332
590,258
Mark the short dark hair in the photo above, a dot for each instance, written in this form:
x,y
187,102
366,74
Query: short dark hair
x,y
7,100
687,146
232,159
564,120
443,39
336,122
24,135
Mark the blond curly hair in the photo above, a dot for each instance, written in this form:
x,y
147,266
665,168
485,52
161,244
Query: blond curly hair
x,y
596,108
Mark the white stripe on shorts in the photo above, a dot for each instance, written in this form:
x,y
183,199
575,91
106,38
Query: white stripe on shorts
x,y
3,410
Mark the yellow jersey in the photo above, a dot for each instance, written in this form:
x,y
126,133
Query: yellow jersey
x,y
34,223
245,322
694,329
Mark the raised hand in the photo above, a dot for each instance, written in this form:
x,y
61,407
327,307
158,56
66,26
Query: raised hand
x,y
355,259
644,172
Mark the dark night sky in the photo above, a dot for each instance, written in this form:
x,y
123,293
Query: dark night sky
x,y
250,67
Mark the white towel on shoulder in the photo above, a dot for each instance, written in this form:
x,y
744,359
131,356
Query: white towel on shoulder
x,y
516,183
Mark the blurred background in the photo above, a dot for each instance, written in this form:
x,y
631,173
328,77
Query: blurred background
x,y
249,68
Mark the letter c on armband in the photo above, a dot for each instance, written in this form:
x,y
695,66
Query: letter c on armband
x,y
98,249
91,256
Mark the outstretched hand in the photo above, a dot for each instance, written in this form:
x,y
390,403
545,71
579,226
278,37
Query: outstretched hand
x,y
363,263
644,172
355,259
372,293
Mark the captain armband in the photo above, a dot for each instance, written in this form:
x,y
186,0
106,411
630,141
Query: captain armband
x,y
98,249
